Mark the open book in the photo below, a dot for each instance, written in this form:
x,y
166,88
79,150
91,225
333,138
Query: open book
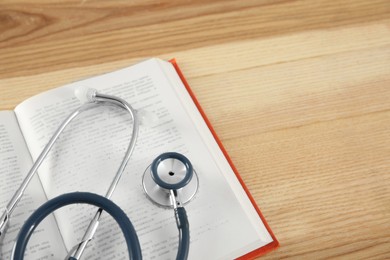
x,y
224,221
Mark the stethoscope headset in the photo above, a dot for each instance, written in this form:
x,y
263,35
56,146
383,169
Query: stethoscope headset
x,y
169,181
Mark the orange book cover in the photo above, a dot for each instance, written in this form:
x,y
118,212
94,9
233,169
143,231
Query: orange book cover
x,y
274,244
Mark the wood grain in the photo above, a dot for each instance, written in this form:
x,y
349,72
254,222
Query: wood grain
x,y
298,91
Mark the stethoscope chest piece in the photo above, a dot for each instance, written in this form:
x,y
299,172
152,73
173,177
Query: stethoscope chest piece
x,y
170,171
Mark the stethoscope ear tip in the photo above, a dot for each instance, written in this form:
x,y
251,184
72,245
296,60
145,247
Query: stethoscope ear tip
x,y
147,118
85,94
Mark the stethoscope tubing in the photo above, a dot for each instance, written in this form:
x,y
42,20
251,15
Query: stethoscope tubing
x,y
50,206
184,233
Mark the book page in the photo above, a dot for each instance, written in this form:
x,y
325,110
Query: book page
x,y
89,153
15,161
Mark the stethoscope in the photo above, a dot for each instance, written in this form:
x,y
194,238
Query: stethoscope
x,y
169,181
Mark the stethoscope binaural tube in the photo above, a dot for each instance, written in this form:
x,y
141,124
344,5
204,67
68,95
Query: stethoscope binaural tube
x,y
72,198
89,233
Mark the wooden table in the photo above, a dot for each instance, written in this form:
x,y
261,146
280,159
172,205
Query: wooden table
x,y
298,91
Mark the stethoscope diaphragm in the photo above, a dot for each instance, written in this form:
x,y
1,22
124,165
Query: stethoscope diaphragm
x,y
170,171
